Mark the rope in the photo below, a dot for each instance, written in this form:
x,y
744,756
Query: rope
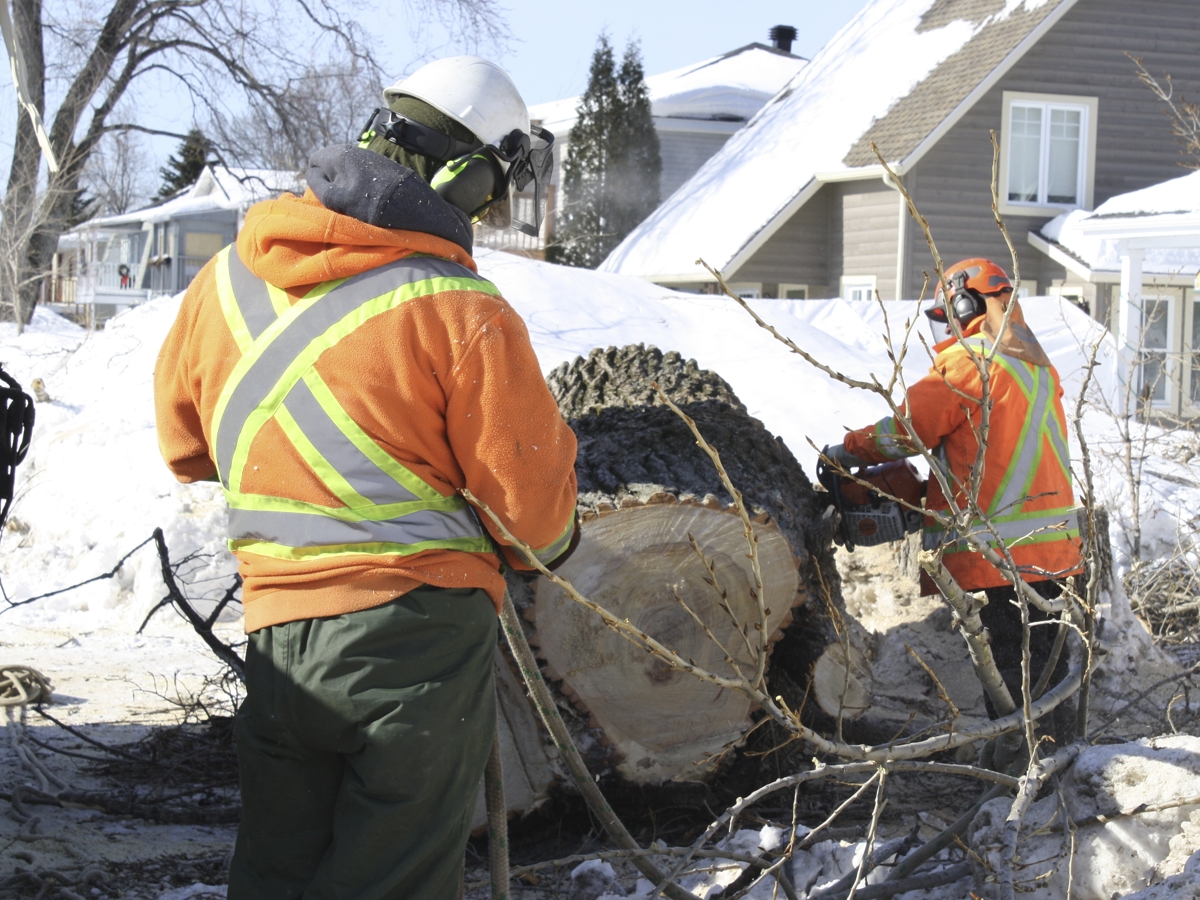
x,y
497,818
20,685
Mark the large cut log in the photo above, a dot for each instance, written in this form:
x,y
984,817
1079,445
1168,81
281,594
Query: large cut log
x,y
646,491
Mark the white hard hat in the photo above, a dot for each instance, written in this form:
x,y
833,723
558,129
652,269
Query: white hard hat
x,y
474,92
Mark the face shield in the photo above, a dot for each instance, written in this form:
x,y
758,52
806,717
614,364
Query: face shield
x,y
530,162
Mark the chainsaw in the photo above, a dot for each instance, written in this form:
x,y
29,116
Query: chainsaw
x,y
869,516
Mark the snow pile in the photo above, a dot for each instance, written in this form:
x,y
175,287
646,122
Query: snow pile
x,y
94,485
1120,845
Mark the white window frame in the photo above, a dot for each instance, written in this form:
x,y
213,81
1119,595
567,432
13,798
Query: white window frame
x,y
1174,363
1087,163
1188,353
851,283
784,288
747,290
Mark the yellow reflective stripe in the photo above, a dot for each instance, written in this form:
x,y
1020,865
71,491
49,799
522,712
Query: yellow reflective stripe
x,y
363,441
267,503
1015,458
229,306
308,357
279,299
279,551
328,475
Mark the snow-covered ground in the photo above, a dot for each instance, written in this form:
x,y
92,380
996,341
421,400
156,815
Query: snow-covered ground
x,y
93,486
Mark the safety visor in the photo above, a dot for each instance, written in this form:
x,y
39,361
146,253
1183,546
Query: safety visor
x,y
532,163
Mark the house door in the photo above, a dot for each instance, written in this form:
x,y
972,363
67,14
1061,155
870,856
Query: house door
x,y
1169,370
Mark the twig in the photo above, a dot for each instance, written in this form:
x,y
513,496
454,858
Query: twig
x,y
764,637
549,713
111,573
1038,775
203,627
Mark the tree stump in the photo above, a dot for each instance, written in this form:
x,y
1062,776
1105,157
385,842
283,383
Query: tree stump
x,y
644,488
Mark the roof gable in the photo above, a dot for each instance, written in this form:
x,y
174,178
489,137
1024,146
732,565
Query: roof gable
x,y
914,116
832,108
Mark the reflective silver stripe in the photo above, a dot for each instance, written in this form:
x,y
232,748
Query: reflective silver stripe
x,y
250,294
340,452
1007,530
552,552
1021,467
316,530
267,370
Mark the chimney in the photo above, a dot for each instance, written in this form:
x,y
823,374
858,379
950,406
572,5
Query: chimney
x,y
782,37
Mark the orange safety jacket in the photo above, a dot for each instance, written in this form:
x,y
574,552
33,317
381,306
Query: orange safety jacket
x,y
343,381
1026,489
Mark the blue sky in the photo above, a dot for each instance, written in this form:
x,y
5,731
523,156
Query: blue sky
x,y
554,40
551,48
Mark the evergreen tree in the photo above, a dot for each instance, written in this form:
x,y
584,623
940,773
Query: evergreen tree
x,y
181,171
612,169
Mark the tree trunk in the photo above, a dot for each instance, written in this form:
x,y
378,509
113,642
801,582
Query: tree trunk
x,y
645,490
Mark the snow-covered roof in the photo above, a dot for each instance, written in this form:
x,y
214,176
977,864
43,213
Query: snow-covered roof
x,y
900,73
731,87
217,189
1092,239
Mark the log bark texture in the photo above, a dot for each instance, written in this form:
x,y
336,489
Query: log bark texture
x,y
644,487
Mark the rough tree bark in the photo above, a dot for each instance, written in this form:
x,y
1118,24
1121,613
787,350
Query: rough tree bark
x,y
645,491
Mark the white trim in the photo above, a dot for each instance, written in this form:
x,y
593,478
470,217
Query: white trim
x,y
1065,259
697,126
847,282
781,292
988,83
862,173
768,231
1091,107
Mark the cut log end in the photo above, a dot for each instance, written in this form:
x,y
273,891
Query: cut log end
x,y
661,722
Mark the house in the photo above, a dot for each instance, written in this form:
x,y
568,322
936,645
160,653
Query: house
x,y
111,262
796,204
1138,255
696,109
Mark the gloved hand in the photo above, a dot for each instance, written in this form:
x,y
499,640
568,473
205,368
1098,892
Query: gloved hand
x,y
837,453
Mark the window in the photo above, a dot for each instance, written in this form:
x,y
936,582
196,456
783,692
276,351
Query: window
x,y
202,245
1160,365
1048,152
793,292
858,287
747,291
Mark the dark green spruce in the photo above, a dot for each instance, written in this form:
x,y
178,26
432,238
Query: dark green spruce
x,y
181,171
612,168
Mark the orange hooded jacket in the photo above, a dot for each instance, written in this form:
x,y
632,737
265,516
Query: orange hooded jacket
x,y
1026,489
447,384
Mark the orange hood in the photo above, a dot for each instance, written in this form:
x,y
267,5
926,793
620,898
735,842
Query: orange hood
x,y
295,243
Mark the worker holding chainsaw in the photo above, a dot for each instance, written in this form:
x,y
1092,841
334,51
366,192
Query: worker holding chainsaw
x,y
1025,490
343,370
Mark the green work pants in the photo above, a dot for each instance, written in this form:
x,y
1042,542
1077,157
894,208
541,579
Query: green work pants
x,y
361,745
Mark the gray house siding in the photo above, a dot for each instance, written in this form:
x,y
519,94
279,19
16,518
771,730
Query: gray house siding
x,y
865,220
683,153
847,228
798,253
1083,54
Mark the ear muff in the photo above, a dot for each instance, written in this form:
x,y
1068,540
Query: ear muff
x,y
472,182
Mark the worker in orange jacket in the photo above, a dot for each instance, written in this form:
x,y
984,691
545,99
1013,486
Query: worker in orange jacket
x,y
343,371
1026,484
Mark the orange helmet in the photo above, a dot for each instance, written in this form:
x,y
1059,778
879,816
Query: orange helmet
x,y
971,281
